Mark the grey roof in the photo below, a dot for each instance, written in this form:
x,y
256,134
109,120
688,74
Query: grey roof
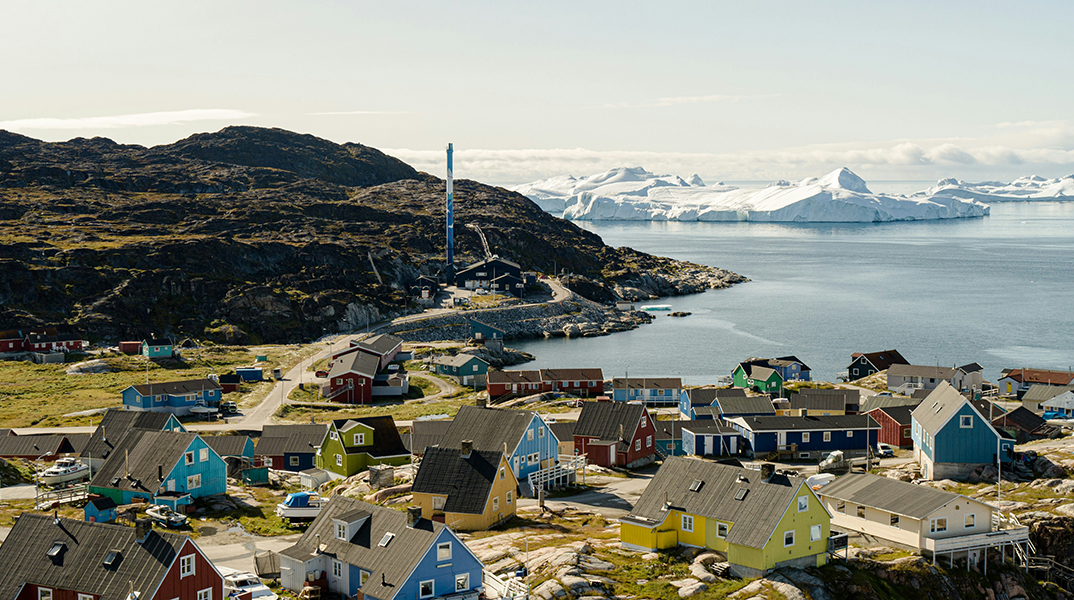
x,y
176,387
459,360
921,371
881,360
136,459
884,401
1022,418
710,411
821,399
832,422
586,374
358,361
754,517
79,441
889,495
487,428
935,410
670,430
754,370
487,261
277,440
386,440
380,344
226,445
497,376
1039,392
465,481
34,445
390,564
702,396
158,342
605,420
646,383
115,424
103,503
696,427
563,430
743,405
973,367
899,414
81,568
424,434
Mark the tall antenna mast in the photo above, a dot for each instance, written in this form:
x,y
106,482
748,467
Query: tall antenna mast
x,y
450,220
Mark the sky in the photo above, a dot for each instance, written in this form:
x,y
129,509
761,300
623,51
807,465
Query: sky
x,y
732,91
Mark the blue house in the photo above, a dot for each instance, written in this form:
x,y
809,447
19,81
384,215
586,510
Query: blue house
x,y
953,436
530,443
707,438
668,437
464,369
484,331
176,397
115,424
711,403
157,348
160,467
100,510
378,553
250,373
808,437
290,447
650,390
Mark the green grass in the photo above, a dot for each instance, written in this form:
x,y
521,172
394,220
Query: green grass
x,y
427,387
655,575
300,413
888,556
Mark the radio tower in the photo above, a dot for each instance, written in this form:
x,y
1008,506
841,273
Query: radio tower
x,y
450,269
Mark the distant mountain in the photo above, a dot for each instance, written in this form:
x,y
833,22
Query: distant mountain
x,y
635,194
252,234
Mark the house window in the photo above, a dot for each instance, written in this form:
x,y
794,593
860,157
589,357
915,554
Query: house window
x,y
966,422
803,503
529,434
788,538
938,525
510,497
475,368
495,503
443,551
363,576
438,502
193,482
462,582
850,434
894,521
337,568
906,432
341,531
643,421
293,461
814,533
189,458
44,594
425,589
827,436
721,530
637,445
339,382
969,521
334,436
203,455
85,597
206,594
687,523
359,439
803,455
186,565
339,460
805,436
540,432
648,441
861,512
841,506
268,461
503,473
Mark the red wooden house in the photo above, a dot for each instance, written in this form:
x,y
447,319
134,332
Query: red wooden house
x,y
11,340
49,558
894,425
51,340
522,383
351,379
577,382
615,434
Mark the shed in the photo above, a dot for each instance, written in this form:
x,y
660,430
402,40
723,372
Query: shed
x,y
130,347
101,509
250,373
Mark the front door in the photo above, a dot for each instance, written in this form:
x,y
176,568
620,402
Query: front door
x,y
734,445
781,438
611,454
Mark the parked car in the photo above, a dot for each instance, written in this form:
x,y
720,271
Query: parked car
x,y
229,407
885,450
321,373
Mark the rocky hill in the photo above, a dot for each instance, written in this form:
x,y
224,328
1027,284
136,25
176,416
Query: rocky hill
x,y
253,234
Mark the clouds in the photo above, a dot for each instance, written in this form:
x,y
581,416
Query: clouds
x,y
681,100
123,121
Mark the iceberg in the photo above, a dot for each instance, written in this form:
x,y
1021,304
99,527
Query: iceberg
x,y
634,194
1023,189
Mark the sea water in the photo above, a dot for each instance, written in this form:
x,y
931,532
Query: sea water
x,y
997,290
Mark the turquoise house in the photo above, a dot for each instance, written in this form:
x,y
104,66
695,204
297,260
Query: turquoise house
x,y
161,467
157,348
176,397
465,369
953,435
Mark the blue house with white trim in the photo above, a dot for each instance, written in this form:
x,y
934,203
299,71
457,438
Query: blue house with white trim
x,y
176,397
161,467
379,553
530,443
157,348
708,438
650,390
723,403
809,437
953,435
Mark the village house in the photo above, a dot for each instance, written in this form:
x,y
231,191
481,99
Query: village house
x,y
564,432
350,446
115,424
53,340
231,446
290,447
157,348
583,383
709,438
952,437
615,434
464,369
11,340
813,402
1034,398
481,274
514,383
467,489
530,444
1062,405
229,383
808,438
175,397
486,334
100,509
368,551
351,378
920,518
970,377
895,425
864,364
1024,425
668,438
904,379
160,467
55,558
34,447
757,375
694,398
650,390
425,433
1014,382
759,520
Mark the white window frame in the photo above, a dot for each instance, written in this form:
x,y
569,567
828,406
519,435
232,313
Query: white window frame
x,y
827,436
462,582
341,531
337,568
292,459
44,593
503,472
495,503
965,421
339,460
363,576
841,507
203,455
186,565
688,523
789,532
193,482
805,437
85,597
359,439
895,521
969,521
333,435
205,594
510,497
721,530
850,433
443,551
637,445
188,458
648,441
644,421
432,588
803,503
529,435
815,533
934,525
540,432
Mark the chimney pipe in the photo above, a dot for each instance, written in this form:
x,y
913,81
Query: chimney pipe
x,y
160,472
413,515
142,529
767,470
466,448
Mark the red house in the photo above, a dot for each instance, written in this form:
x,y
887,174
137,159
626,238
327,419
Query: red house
x,y
49,340
576,382
894,425
11,340
351,379
48,558
615,434
523,383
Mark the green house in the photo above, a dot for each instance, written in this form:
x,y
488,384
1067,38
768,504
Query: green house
x,y
757,377
157,348
465,369
351,445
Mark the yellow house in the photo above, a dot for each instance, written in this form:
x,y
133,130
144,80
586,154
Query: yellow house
x,y
467,489
759,520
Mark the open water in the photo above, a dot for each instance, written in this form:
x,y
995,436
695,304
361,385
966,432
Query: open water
x,y
998,290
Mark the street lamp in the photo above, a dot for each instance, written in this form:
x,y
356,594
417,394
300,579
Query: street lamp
x,y
37,481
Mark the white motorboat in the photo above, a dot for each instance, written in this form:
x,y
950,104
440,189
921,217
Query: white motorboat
x,y
66,469
655,307
165,516
242,581
201,409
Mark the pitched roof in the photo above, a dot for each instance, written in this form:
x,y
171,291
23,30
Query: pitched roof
x,y
1039,392
103,503
605,420
921,371
881,360
424,434
277,440
871,402
1047,376
754,369
754,517
820,399
1022,418
899,414
973,367
670,430
1064,400
572,375
115,424
390,564
226,445
786,361
563,430
465,481
935,410
487,261
646,383
79,441
502,377
134,464
81,566
459,360
386,440
34,445
158,342
713,412
697,427
359,361
380,344
743,405
807,423
176,387
487,428
889,495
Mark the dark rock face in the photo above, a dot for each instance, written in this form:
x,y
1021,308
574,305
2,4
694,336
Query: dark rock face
x,y
262,235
